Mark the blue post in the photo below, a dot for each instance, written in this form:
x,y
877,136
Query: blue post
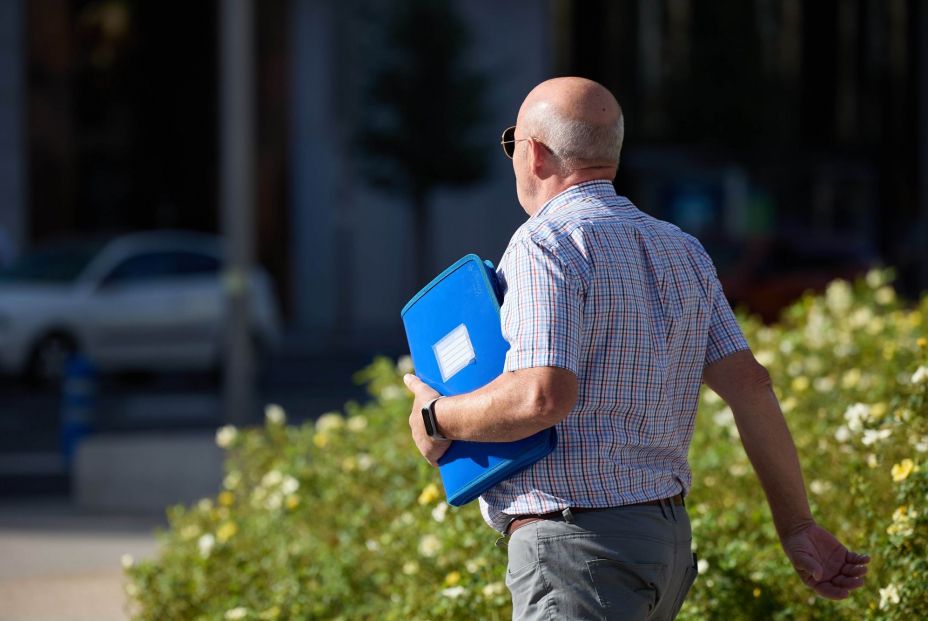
x,y
78,404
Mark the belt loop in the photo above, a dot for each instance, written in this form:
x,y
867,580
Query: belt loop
x,y
673,509
568,515
664,508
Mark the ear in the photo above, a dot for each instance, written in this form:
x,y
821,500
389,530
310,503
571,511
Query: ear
x,y
542,161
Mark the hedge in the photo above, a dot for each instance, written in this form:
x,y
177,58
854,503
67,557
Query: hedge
x,y
341,519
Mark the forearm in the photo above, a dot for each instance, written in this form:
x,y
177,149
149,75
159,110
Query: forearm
x,y
770,448
511,407
746,387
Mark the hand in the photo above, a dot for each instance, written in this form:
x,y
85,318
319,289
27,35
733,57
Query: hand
x,y
823,563
430,448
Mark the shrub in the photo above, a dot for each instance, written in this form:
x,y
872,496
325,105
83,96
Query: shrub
x,y
341,518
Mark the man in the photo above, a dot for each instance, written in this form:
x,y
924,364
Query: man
x,y
614,319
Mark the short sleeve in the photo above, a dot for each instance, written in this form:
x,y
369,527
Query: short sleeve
x,y
725,335
542,310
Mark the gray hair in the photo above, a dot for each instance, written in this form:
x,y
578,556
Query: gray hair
x,y
575,142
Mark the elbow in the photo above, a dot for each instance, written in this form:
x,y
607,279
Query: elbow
x,y
757,376
551,401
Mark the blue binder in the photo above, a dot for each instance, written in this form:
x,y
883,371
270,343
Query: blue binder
x,y
457,346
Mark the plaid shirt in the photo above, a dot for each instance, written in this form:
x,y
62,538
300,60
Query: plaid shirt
x,y
633,306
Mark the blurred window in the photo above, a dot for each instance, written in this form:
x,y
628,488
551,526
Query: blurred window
x,y
60,264
158,265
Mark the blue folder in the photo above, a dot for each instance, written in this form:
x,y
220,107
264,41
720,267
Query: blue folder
x,y
457,346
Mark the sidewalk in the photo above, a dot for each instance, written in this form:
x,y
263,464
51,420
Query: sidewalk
x,y
61,564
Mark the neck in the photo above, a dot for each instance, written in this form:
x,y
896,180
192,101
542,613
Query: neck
x,y
554,185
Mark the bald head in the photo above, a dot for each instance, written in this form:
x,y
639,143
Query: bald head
x,y
578,119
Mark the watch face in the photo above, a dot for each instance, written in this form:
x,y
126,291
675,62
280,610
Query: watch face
x,y
427,419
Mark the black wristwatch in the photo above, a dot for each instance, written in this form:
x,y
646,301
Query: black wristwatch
x,y
428,417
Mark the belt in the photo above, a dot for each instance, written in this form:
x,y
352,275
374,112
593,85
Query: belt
x,y
524,520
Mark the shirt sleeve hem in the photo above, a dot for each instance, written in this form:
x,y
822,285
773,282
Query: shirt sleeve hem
x,y
519,360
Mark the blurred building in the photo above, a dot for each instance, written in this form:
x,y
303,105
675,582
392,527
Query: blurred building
x,y
785,134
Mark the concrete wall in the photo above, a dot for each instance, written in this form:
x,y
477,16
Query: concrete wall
x,y
352,259
144,473
12,129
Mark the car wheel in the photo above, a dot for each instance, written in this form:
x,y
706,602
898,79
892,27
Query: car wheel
x,y
49,359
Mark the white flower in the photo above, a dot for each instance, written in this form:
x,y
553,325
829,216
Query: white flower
x,y
920,376
889,596
205,544
371,545
454,592
429,546
439,512
404,365
226,435
289,485
272,478
357,423
392,393
232,480
365,461
872,436
824,384
921,445
330,421
274,414
842,434
838,297
875,278
235,614
885,295
494,588
127,561
724,417
410,568
855,415
737,470
819,487
702,566
274,501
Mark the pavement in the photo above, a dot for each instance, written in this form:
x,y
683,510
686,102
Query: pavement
x,y
58,563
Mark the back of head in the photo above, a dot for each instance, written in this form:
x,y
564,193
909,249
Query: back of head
x,y
579,120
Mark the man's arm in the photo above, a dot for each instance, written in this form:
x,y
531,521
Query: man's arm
x,y
821,560
513,406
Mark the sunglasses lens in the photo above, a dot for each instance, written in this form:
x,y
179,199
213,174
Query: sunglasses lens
x,y
509,144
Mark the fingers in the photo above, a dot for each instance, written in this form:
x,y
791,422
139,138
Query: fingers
x,y
848,582
830,591
412,382
854,570
857,559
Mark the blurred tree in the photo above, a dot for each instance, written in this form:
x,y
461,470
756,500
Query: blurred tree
x,y
423,106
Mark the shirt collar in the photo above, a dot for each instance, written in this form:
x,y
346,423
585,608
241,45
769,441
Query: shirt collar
x,y
599,188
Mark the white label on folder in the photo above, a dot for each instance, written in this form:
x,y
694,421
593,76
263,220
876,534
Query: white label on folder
x,y
454,352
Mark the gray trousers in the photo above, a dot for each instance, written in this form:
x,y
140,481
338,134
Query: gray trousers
x,y
629,563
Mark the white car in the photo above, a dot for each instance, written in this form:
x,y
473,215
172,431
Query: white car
x,y
151,301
